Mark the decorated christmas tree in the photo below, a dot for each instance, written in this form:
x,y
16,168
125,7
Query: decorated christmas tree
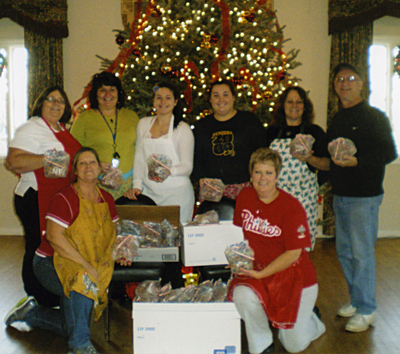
x,y
193,43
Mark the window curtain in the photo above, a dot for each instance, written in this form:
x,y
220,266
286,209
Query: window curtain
x,y
45,24
351,28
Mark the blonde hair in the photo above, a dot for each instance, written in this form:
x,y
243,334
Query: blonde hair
x,y
263,155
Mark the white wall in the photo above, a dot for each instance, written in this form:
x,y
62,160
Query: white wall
x,y
306,24
90,26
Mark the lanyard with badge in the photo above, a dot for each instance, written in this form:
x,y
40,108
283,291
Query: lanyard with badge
x,y
115,160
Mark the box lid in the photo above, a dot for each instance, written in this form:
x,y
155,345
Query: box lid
x,y
140,213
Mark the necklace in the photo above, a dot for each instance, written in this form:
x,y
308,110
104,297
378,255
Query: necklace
x,y
92,197
113,134
163,128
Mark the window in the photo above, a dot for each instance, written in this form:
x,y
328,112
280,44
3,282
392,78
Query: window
x,y
384,81
13,83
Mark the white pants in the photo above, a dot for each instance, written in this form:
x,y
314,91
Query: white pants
x,y
307,328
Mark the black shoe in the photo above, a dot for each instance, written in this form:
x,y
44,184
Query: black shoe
x,y
269,350
317,311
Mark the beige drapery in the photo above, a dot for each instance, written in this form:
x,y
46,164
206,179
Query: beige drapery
x,y
45,24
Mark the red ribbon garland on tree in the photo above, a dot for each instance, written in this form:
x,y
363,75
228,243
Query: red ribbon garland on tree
x,y
280,52
188,92
225,39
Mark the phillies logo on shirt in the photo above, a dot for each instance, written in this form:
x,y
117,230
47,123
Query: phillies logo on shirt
x,y
258,225
301,231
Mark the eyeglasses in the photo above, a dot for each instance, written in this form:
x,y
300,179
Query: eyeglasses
x,y
52,100
294,102
349,79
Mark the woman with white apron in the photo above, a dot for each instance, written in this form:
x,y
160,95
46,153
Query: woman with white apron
x,y
164,155
294,115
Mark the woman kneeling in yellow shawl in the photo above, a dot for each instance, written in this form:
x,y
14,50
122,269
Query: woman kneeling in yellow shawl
x,y
81,231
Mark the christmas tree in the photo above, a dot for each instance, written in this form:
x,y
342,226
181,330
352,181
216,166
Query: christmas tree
x,y
193,43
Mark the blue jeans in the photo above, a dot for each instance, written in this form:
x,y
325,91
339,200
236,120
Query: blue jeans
x,y
356,221
72,319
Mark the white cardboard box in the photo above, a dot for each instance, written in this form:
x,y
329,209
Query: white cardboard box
x,y
156,214
205,245
186,328
162,254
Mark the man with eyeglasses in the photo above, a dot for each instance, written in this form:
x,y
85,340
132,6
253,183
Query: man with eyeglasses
x,y
357,192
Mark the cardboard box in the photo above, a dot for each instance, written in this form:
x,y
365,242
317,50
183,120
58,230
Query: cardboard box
x,y
205,245
184,328
156,214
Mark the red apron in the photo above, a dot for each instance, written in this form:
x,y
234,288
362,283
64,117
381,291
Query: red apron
x,y
279,294
48,187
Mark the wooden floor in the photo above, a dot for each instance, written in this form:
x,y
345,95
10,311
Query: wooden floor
x,y
384,338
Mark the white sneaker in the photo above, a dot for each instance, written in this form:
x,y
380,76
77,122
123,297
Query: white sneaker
x,y
18,313
359,323
21,326
347,310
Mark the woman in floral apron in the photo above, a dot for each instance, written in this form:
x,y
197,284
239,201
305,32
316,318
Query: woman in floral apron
x,y
294,114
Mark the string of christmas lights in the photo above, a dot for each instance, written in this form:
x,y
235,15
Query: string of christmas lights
x,y
195,43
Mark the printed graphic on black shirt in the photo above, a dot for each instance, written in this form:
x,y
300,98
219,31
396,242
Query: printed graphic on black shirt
x,y
222,143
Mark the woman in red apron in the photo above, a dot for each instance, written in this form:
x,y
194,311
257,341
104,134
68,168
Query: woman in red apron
x,y
282,288
44,131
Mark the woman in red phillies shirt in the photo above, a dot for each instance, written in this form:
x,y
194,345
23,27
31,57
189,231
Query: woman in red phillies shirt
x,y
282,288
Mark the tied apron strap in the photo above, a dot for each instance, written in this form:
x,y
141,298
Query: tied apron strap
x,y
279,136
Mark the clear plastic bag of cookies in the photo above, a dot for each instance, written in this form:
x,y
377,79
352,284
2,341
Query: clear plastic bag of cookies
x,y
55,164
302,144
341,147
159,167
211,189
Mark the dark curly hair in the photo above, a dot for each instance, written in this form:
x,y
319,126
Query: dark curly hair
x,y
178,109
105,78
38,105
279,116
221,82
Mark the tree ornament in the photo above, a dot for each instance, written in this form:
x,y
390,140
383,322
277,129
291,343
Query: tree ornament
x,y
281,76
120,39
214,39
206,41
247,16
206,112
267,94
244,15
136,53
174,73
165,69
156,12
251,17
237,80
